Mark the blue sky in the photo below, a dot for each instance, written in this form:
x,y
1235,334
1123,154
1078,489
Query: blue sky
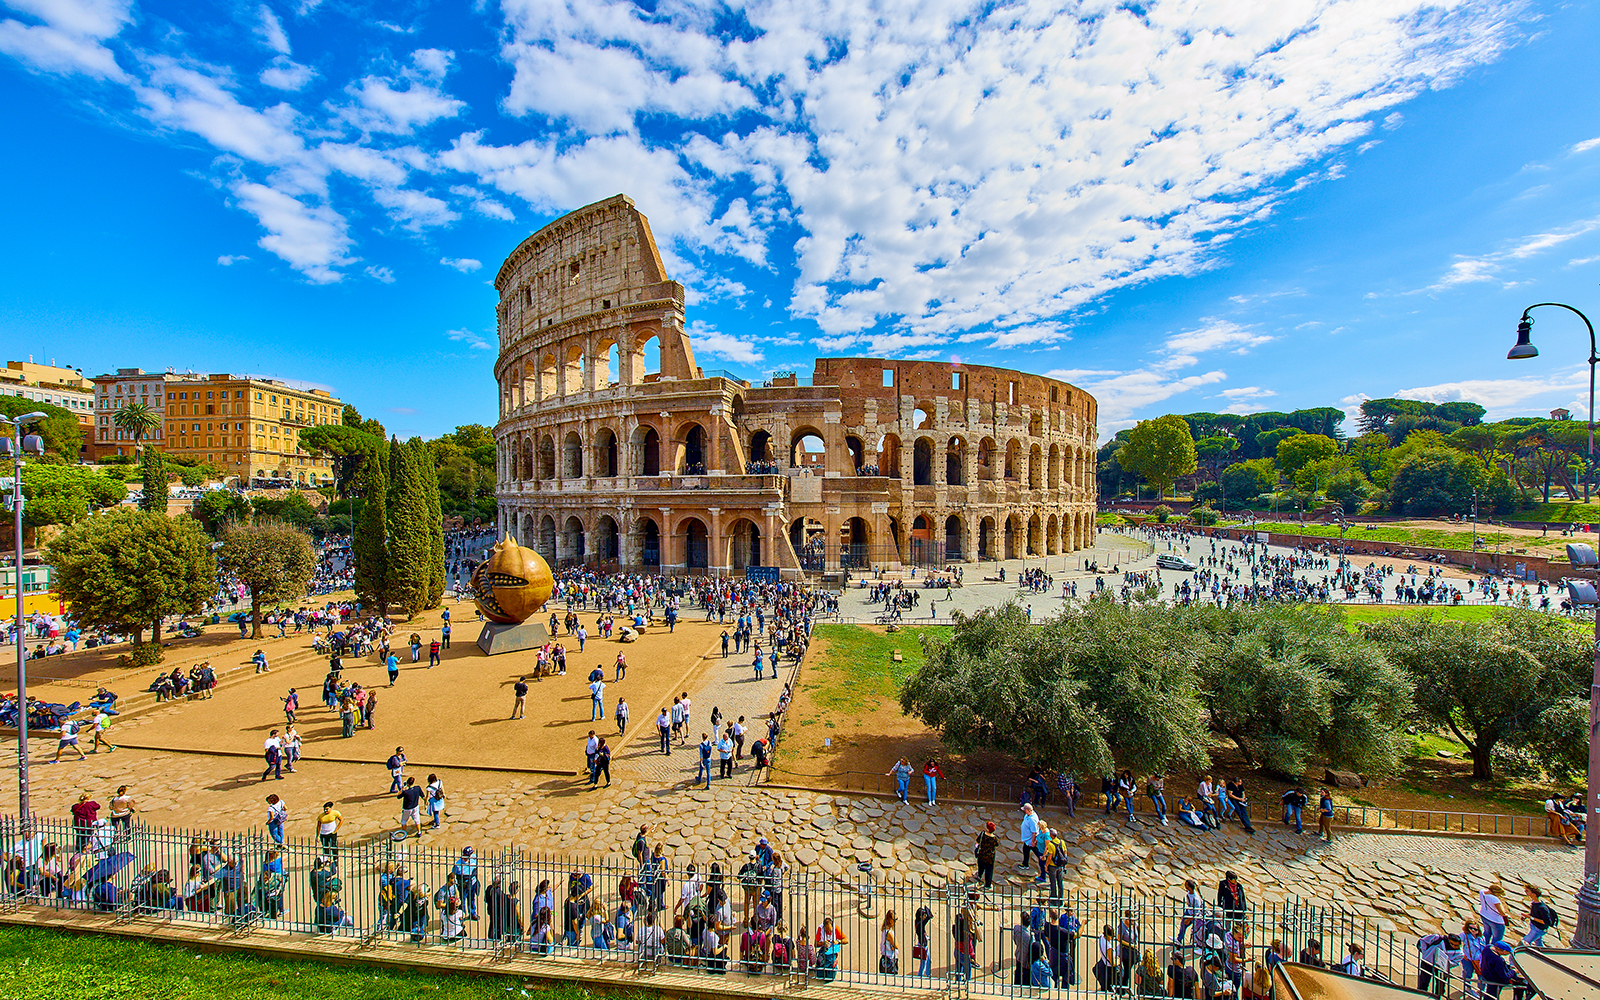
x,y
1180,207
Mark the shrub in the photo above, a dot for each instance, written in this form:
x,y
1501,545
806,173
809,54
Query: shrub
x,y
145,654
1162,513
1205,517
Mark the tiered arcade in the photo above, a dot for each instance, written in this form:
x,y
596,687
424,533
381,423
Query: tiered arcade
x,y
616,448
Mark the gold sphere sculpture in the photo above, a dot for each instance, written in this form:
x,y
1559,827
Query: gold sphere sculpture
x,y
513,583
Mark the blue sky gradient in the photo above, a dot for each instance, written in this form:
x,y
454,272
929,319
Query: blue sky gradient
x,y
1177,207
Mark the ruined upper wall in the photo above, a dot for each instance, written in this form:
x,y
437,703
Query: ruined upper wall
x,y
985,392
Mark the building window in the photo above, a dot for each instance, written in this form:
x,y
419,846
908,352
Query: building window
x,y
888,378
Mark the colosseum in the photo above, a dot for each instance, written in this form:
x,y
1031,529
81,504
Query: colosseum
x,y
617,449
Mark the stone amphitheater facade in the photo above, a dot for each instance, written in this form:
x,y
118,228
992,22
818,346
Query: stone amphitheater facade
x,y
868,463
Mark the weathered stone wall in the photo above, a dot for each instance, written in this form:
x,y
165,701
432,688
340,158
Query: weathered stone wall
x,y
875,463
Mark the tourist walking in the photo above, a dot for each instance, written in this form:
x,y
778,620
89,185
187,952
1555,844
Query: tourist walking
x,y
273,752
328,823
397,769
291,705
1325,817
519,708
393,663
277,816
983,849
435,799
930,780
621,715
664,730
901,773
597,700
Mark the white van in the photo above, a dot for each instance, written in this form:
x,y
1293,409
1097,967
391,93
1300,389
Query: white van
x,y
1171,560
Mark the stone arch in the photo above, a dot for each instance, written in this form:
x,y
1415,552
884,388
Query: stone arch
x,y
608,363
1052,534
953,548
574,368
1053,478
695,542
1036,425
744,542
922,462
1035,467
1013,459
647,538
572,456
986,538
921,415
761,455
696,448
855,543
546,545
1035,536
986,460
547,376
955,461
889,455
1013,536
808,449
857,451
525,460
924,539
547,457
645,450
606,548
527,530
606,455
571,547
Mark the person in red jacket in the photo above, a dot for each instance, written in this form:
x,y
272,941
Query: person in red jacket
x,y
930,777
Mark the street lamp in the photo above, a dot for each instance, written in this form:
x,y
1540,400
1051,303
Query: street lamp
x,y
16,446
1587,932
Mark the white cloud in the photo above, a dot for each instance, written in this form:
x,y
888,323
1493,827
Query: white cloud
x,y
284,73
934,153
1489,267
72,38
228,260
1216,335
271,32
1247,392
399,105
312,238
1585,145
465,265
472,340
1502,397
709,340
382,274
483,204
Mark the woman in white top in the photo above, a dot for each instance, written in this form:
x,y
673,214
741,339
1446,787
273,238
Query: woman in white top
x,y
1493,912
888,948
1105,970
450,927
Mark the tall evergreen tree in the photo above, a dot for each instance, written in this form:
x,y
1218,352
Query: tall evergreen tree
x,y
430,487
154,471
410,539
370,546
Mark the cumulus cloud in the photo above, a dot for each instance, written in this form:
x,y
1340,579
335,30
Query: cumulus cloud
x,y
1502,397
284,73
473,341
71,39
465,265
382,274
709,340
314,239
1491,266
1585,145
400,104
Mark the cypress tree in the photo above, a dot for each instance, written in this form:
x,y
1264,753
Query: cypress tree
x,y
430,485
410,540
370,544
153,468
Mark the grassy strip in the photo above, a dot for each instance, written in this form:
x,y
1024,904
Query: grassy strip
x,y
1431,538
857,668
43,964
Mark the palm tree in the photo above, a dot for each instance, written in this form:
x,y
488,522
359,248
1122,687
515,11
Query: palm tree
x,y
137,419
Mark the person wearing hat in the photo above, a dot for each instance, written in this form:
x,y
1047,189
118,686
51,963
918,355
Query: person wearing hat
x,y
1492,911
1437,954
1498,972
466,873
1214,985
983,850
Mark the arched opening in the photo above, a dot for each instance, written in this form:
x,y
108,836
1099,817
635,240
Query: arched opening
x,y
1035,467
1013,529
613,372
894,536
1053,480
986,538
853,544
528,532
1035,537
952,538
605,539
1013,458
547,457
924,550
574,369
807,450
651,354
649,542
694,451
547,375
921,418
986,469
1050,536
858,454
605,452
1036,425
955,462
650,453
547,539
572,456
525,463
572,548
810,545
762,460
889,456
744,544
922,462
696,544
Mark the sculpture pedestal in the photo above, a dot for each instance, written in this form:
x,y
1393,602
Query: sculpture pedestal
x,y
496,638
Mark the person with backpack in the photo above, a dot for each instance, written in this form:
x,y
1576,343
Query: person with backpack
x,y
705,760
967,932
983,850
1437,954
1541,918
1325,817
397,770
780,948
1294,801
435,798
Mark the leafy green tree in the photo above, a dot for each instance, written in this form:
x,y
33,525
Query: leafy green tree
x,y
215,509
1435,480
370,546
410,540
1460,412
153,473
272,559
1160,450
1560,738
291,508
128,569
1323,420
1488,681
347,448
59,429
351,417
1096,686
136,420
1290,684
1338,479
65,494
430,491
1214,452
1269,441
1243,482
1294,452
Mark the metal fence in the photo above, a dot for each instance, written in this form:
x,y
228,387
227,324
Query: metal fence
x,y
556,909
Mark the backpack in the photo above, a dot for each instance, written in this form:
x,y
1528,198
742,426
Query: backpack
x,y
750,875
697,907
386,893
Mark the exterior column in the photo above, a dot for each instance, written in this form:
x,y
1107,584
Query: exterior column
x,y
716,561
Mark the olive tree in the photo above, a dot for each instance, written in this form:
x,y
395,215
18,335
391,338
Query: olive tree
x,y
272,559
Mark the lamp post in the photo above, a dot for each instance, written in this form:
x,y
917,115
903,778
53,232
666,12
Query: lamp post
x,y
1586,934
15,446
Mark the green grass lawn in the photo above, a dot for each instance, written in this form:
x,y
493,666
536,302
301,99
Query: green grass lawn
x,y
39,964
1559,512
1355,613
857,668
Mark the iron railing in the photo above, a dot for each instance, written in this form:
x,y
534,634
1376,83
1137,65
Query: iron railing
x,y
247,882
